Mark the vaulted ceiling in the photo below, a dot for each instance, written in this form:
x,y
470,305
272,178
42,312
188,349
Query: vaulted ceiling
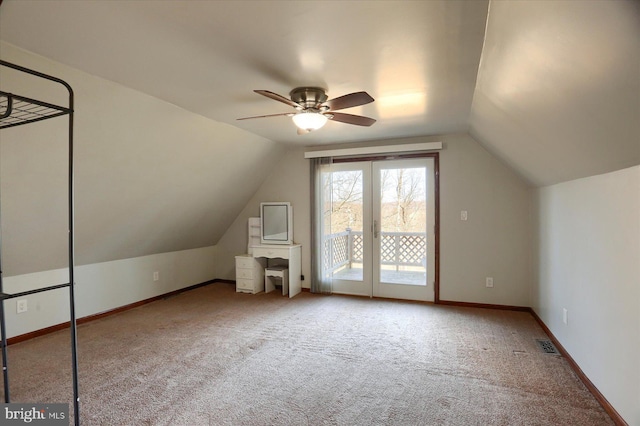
x,y
552,88
558,90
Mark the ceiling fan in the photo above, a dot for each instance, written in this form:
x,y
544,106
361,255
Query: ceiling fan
x,y
313,109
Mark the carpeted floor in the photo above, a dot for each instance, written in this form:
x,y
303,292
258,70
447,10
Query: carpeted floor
x,y
215,357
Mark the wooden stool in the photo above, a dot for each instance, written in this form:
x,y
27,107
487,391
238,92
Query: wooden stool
x,y
281,272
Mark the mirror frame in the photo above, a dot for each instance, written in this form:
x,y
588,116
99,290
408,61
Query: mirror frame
x,y
288,220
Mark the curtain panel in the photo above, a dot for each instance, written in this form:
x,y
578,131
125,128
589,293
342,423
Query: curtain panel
x,y
320,223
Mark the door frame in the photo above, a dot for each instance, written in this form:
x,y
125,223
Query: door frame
x,y
436,189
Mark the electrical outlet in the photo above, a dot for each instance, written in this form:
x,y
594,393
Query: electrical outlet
x,y
489,282
565,316
301,277
156,276
463,215
21,306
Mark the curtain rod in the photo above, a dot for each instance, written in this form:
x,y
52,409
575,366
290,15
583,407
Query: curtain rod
x,y
385,149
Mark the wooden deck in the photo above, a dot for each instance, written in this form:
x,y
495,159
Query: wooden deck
x,y
388,276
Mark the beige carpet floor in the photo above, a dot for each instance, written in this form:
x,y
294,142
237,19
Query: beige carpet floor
x,y
215,357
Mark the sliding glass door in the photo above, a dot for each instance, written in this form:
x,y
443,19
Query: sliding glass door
x,y
381,241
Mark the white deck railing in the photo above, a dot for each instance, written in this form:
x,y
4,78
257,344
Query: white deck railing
x,y
397,249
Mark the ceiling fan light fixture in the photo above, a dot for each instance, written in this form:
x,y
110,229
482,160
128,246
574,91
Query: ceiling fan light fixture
x,y
309,120
313,109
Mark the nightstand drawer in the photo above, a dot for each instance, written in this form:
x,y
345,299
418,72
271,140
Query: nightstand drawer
x,y
245,284
245,262
244,273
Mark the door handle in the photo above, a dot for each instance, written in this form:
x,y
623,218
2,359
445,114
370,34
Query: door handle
x,y
375,229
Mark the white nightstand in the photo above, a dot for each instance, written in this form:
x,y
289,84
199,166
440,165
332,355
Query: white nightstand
x,y
249,274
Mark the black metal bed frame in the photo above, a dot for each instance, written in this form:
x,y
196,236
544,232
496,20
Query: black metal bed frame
x,y
18,110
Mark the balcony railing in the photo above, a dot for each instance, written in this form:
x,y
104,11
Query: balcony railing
x,y
397,249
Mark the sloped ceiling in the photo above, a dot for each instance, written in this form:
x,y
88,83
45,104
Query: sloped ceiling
x,y
558,92
149,177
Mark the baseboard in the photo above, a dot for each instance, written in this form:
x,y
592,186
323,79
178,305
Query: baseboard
x,y
483,305
89,318
615,416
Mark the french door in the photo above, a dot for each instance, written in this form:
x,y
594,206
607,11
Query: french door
x,y
381,238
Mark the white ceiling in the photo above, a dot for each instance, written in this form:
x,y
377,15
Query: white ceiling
x,y
419,60
557,94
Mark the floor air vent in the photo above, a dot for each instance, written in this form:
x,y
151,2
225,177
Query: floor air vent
x,y
547,347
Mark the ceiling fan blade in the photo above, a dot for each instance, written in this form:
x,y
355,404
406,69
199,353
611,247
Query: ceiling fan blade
x,y
348,101
289,114
278,98
358,120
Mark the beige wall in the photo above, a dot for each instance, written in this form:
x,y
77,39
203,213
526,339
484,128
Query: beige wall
x,y
150,177
588,262
288,181
495,241
104,286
